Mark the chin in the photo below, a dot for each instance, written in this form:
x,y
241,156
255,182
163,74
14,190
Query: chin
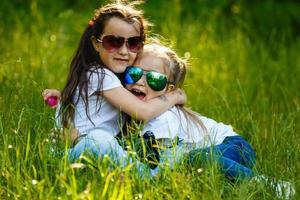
x,y
120,69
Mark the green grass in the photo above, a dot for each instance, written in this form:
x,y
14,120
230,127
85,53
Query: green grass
x,y
245,71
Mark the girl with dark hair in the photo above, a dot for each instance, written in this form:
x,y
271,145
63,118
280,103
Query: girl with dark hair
x,y
93,97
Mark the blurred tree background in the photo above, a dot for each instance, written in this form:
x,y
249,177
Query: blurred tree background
x,y
244,67
230,44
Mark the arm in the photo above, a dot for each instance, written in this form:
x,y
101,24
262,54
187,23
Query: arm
x,y
121,98
71,134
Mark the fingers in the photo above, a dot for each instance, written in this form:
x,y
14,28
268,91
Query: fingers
x,y
51,97
47,93
182,96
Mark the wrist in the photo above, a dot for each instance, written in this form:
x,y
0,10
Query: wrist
x,y
179,95
171,97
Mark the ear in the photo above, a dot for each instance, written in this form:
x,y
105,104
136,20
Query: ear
x,y
170,87
95,43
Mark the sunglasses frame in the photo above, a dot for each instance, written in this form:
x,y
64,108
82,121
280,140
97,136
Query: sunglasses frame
x,y
138,46
154,86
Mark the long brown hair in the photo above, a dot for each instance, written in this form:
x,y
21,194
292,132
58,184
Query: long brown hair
x,y
87,58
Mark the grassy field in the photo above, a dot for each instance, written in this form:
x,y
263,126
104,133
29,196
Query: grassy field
x,y
245,71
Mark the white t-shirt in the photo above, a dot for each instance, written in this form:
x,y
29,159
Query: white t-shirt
x,y
107,118
173,124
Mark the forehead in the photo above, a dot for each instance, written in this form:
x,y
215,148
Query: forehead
x,y
119,27
152,62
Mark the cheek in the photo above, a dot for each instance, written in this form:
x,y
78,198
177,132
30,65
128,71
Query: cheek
x,y
103,56
153,94
132,58
128,87
104,53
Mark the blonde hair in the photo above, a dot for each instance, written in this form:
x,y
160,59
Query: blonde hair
x,y
177,71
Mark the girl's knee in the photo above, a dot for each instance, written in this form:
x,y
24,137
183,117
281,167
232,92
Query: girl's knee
x,y
92,145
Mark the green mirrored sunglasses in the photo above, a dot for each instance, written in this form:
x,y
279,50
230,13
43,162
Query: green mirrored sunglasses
x,y
155,80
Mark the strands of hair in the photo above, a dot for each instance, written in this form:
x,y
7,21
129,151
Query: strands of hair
x,y
178,68
87,58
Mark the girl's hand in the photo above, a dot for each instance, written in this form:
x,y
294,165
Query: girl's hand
x,y
51,97
179,94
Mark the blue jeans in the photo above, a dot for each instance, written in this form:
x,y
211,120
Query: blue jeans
x,y
234,156
99,143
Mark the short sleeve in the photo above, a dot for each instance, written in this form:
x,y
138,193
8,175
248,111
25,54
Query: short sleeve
x,y
217,130
110,80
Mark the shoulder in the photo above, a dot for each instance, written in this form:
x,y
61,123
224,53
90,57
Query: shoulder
x,y
100,75
171,114
164,118
100,70
213,125
165,125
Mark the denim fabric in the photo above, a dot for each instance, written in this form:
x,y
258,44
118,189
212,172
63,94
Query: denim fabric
x,y
234,155
99,144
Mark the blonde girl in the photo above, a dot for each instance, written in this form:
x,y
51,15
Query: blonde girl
x,y
180,133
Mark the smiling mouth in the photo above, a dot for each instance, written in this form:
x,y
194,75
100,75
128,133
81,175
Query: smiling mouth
x,y
139,94
121,59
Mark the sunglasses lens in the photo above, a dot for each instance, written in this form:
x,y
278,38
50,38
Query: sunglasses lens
x,y
156,81
134,44
112,43
132,74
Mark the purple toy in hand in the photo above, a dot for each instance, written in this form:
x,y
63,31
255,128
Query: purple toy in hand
x,y
52,101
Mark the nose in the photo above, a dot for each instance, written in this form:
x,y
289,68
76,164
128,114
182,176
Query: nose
x,y
141,81
123,49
